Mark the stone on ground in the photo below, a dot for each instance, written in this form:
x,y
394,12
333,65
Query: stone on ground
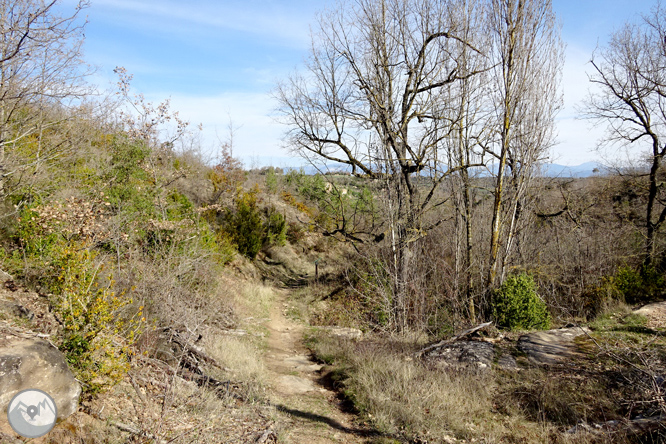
x,y
552,346
474,354
36,364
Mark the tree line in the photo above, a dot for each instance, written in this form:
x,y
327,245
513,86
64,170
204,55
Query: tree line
x,y
445,109
449,109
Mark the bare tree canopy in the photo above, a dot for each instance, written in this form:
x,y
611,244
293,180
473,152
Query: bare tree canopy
x,y
527,55
631,101
40,64
412,92
375,98
376,77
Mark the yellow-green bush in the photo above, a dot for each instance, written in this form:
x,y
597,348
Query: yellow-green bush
x,y
55,245
96,339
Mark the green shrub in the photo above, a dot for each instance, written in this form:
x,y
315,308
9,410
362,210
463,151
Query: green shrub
x,y
516,305
295,232
275,228
130,186
271,180
639,285
252,229
55,244
245,224
178,206
96,340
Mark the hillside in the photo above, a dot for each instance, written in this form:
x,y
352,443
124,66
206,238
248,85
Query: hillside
x,y
435,284
209,345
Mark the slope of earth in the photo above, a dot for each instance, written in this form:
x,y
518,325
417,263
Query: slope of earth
x,y
155,402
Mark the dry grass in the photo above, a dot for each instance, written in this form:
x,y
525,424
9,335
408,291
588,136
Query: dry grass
x,y
180,411
242,362
411,401
406,399
252,300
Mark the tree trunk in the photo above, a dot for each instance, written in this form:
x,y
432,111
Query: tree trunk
x,y
467,208
400,308
651,226
497,214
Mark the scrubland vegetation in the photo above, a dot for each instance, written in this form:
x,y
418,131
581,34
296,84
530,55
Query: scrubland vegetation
x,y
134,240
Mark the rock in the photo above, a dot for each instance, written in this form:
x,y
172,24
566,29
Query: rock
x,y
475,354
15,309
551,346
302,363
36,364
655,314
5,277
507,362
657,308
456,338
344,332
636,426
294,385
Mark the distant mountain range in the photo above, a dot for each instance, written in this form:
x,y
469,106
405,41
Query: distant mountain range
x,y
586,169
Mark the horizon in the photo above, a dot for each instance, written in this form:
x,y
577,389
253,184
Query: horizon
x,y
217,63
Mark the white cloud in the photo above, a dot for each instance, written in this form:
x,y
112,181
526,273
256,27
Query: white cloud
x,y
187,20
257,136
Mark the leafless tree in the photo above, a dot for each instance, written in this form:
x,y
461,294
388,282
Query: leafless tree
x,y
374,99
631,100
40,66
527,56
468,100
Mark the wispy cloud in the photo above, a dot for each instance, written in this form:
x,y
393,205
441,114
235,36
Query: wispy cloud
x,y
284,24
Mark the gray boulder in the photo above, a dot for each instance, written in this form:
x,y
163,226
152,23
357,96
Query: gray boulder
x,y
507,362
471,354
552,346
344,332
36,364
14,309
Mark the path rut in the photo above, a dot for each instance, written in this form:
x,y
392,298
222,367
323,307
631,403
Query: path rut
x,y
313,413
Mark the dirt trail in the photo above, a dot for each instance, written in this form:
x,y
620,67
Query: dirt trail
x,y
313,412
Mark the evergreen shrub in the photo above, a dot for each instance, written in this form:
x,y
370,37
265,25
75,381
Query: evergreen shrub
x,y
516,305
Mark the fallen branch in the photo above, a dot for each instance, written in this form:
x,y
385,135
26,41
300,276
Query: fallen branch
x,y
453,339
136,431
264,436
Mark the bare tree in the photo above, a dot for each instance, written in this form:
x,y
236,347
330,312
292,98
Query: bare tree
x,y
527,55
374,99
631,101
471,130
40,66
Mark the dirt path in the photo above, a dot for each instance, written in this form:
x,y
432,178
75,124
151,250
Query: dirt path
x,y
313,413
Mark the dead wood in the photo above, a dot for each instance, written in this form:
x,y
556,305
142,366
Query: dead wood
x,y
454,338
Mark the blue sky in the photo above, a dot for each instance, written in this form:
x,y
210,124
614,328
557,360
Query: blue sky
x,y
219,60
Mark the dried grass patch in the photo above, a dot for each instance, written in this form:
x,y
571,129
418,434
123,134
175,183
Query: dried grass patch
x,y
405,398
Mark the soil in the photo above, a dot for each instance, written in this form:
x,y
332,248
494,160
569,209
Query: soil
x,y
655,314
312,412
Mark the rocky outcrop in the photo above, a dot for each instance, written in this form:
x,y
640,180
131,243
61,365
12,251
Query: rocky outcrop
x,y
507,362
343,332
654,313
14,309
469,350
474,354
552,346
36,364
